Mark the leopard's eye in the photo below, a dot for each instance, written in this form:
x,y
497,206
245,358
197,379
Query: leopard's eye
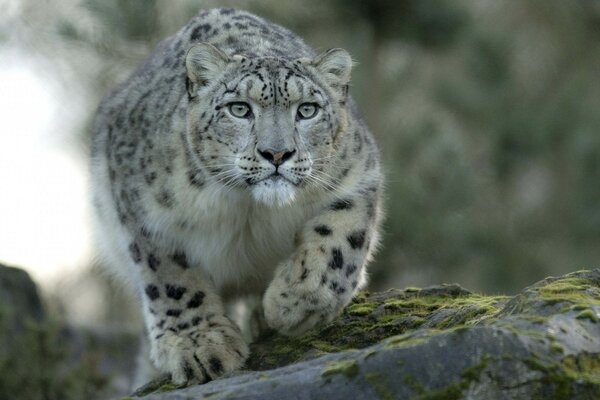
x,y
240,109
307,110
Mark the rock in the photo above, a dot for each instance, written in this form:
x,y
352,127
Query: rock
x,y
41,358
19,299
441,342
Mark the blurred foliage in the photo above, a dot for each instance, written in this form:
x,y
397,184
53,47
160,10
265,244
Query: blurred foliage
x,y
486,113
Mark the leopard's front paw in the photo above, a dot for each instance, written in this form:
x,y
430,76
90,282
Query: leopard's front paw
x,y
200,353
292,309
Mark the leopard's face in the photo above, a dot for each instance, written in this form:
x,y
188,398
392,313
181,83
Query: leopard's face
x,y
268,126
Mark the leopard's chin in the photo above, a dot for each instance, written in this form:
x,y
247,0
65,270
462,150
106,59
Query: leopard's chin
x,y
274,191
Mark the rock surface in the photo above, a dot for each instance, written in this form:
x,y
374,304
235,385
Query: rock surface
x,y
441,342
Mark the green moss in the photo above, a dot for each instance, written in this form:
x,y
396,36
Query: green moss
x,y
450,392
212,395
167,388
579,307
407,340
588,314
565,284
556,348
585,366
472,373
157,385
569,289
413,384
379,385
511,327
360,309
560,377
349,368
455,390
535,319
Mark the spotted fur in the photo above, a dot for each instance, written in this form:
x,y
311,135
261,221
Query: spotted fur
x,y
233,163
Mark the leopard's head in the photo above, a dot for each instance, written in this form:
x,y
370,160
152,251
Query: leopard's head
x,y
268,125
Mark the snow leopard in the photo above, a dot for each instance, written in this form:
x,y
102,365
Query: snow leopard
x,y
233,164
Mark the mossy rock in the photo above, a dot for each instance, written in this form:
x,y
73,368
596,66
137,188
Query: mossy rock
x,y
441,342
373,317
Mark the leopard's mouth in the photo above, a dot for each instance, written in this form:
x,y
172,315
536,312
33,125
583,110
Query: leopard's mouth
x,y
274,178
274,190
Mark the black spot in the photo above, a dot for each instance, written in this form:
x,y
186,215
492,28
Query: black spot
x,y
183,325
342,205
161,324
284,295
150,178
215,365
196,178
337,259
350,269
354,284
152,292
145,232
173,312
370,209
196,300
199,31
165,198
201,367
227,11
188,371
134,251
153,262
336,287
175,292
356,239
323,279
323,230
196,321
180,259
344,172
304,274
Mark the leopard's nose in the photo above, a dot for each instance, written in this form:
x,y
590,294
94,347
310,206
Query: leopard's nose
x,y
276,157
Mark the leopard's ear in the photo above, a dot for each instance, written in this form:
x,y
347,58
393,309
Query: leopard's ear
x,y
335,66
203,63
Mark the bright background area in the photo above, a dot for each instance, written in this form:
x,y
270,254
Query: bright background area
x,y
43,207
486,112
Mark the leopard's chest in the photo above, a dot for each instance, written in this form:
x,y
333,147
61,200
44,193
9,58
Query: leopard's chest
x,y
232,239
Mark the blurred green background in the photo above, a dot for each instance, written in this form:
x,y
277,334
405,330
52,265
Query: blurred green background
x,y
487,113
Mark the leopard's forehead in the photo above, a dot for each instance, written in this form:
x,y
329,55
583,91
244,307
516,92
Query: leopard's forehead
x,y
272,80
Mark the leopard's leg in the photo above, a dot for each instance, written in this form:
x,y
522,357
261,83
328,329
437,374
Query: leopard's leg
x,y
328,266
190,336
